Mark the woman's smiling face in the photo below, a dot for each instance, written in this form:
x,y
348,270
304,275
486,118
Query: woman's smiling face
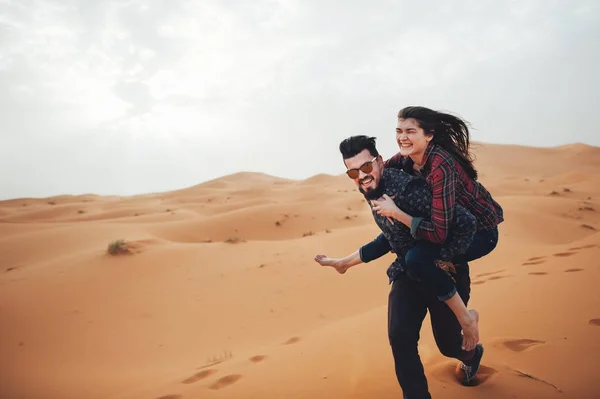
x,y
411,138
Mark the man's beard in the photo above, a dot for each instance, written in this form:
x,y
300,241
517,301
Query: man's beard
x,y
376,192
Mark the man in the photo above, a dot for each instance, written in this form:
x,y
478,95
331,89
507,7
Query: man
x,y
412,293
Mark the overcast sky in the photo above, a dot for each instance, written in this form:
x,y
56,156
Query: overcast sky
x,y
123,97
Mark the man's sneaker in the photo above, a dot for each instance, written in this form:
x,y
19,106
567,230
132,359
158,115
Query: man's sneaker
x,y
470,371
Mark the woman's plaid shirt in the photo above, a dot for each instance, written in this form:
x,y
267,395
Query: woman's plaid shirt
x,y
449,185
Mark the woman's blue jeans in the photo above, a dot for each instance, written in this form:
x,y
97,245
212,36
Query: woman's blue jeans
x,y
421,267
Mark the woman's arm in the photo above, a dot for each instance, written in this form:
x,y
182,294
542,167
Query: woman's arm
x,y
442,182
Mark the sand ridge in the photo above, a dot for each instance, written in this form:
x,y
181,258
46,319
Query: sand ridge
x,y
219,296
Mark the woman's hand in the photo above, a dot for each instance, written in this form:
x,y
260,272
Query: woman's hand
x,y
385,206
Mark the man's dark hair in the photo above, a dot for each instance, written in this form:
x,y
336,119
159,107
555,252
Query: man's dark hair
x,y
354,145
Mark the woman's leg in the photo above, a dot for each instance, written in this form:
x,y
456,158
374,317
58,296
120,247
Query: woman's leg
x,y
421,267
483,243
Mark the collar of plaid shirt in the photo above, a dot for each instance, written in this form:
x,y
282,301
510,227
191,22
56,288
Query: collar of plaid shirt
x,y
407,164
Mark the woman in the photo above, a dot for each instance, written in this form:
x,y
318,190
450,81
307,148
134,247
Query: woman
x,y
436,145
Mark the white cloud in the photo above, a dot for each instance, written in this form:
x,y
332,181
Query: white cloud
x,y
193,90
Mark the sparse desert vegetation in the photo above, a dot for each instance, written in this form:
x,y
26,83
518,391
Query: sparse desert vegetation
x,y
118,247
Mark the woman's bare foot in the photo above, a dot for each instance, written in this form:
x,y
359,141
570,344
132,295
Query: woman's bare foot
x,y
470,329
335,263
323,260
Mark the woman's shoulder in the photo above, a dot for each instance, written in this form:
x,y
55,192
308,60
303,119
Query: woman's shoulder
x,y
440,158
397,161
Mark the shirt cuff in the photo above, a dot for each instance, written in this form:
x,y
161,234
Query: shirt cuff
x,y
375,249
414,225
362,258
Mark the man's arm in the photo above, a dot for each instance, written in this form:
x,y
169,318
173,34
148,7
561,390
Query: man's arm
x,y
375,249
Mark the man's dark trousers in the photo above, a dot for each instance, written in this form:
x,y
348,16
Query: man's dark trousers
x,y
408,303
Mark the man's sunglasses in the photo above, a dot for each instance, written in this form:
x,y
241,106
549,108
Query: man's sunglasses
x,y
366,167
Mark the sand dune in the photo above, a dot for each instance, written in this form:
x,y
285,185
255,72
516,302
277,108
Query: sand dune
x,y
219,296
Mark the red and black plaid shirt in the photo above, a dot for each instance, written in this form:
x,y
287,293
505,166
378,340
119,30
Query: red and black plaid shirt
x,y
449,185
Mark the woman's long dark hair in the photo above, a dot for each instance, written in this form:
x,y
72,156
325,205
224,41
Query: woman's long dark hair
x,y
449,132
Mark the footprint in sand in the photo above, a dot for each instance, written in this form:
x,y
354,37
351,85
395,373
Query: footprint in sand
x,y
199,376
484,374
490,273
535,262
582,247
564,254
292,340
224,382
497,277
450,372
573,270
257,358
170,397
536,258
595,322
519,345
538,273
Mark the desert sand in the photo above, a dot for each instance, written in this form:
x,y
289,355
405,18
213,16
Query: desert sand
x,y
219,296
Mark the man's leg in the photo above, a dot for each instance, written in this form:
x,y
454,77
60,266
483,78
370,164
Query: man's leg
x,y
406,311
